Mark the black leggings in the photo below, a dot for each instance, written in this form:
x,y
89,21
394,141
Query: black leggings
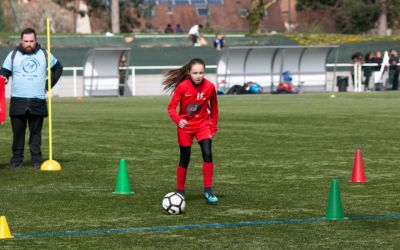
x,y
205,146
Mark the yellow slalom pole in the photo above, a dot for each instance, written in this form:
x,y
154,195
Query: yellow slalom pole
x,y
49,165
49,91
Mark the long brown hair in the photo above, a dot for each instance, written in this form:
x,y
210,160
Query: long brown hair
x,y
175,76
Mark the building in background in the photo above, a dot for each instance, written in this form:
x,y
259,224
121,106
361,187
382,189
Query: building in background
x,y
151,15
221,15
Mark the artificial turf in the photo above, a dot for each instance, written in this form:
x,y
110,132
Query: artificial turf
x,y
275,157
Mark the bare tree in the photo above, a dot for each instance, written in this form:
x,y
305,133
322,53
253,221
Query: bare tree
x,y
256,14
382,21
115,28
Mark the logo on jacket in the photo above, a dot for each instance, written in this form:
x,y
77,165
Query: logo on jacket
x,y
192,108
30,65
201,96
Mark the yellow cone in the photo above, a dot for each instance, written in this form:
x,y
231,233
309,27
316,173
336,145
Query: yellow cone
x,y
4,230
50,165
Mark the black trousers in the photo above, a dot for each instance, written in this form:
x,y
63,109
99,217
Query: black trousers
x,y
194,38
35,124
394,78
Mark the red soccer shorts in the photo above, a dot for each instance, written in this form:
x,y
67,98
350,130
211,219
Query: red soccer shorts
x,y
185,137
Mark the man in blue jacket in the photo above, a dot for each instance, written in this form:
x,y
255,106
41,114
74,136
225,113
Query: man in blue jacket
x,y
27,64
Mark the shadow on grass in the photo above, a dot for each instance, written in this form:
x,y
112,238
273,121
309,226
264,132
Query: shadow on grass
x,y
27,164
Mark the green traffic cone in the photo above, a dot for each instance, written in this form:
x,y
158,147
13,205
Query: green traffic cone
x,y
335,207
122,186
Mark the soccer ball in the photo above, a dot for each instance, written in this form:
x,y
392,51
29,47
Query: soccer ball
x,y
173,203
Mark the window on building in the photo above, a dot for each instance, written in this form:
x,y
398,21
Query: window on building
x,y
216,2
198,2
243,12
150,12
202,11
170,8
182,2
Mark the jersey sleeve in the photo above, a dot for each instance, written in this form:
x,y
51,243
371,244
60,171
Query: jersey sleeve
x,y
173,104
214,111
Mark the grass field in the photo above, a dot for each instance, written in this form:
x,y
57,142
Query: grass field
x,y
275,157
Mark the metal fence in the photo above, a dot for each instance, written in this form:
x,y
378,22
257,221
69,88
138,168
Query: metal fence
x,y
342,69
71,85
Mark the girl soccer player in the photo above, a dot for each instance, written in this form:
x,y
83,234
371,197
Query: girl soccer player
x,y
197,118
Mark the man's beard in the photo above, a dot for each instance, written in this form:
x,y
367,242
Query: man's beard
x,y
28,49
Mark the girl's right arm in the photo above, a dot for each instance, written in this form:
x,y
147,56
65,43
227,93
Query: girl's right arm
x,y
173,104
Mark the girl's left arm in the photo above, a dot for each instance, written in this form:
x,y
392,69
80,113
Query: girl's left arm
x,y
214,111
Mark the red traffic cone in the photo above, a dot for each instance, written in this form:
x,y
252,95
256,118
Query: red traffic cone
x,y
358,174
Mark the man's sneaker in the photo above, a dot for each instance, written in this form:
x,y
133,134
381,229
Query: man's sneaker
x,y
210,198
36,165
15,164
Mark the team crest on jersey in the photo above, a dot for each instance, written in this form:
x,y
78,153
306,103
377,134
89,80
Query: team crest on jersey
x,y
30,65
201,96
192,108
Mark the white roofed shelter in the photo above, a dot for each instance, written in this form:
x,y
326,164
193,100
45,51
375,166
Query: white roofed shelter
x,y
101,76
265,64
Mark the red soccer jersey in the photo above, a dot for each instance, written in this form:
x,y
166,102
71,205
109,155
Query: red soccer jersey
x,y
3,110
197,104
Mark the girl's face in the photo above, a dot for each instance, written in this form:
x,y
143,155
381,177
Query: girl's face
x,y
196,73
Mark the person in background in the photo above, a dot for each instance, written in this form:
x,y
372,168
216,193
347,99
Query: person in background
x,y
27,64
194,34
122,74
178,29
356,58
168,29
393,69
369,58
197,118
378,59
219,41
